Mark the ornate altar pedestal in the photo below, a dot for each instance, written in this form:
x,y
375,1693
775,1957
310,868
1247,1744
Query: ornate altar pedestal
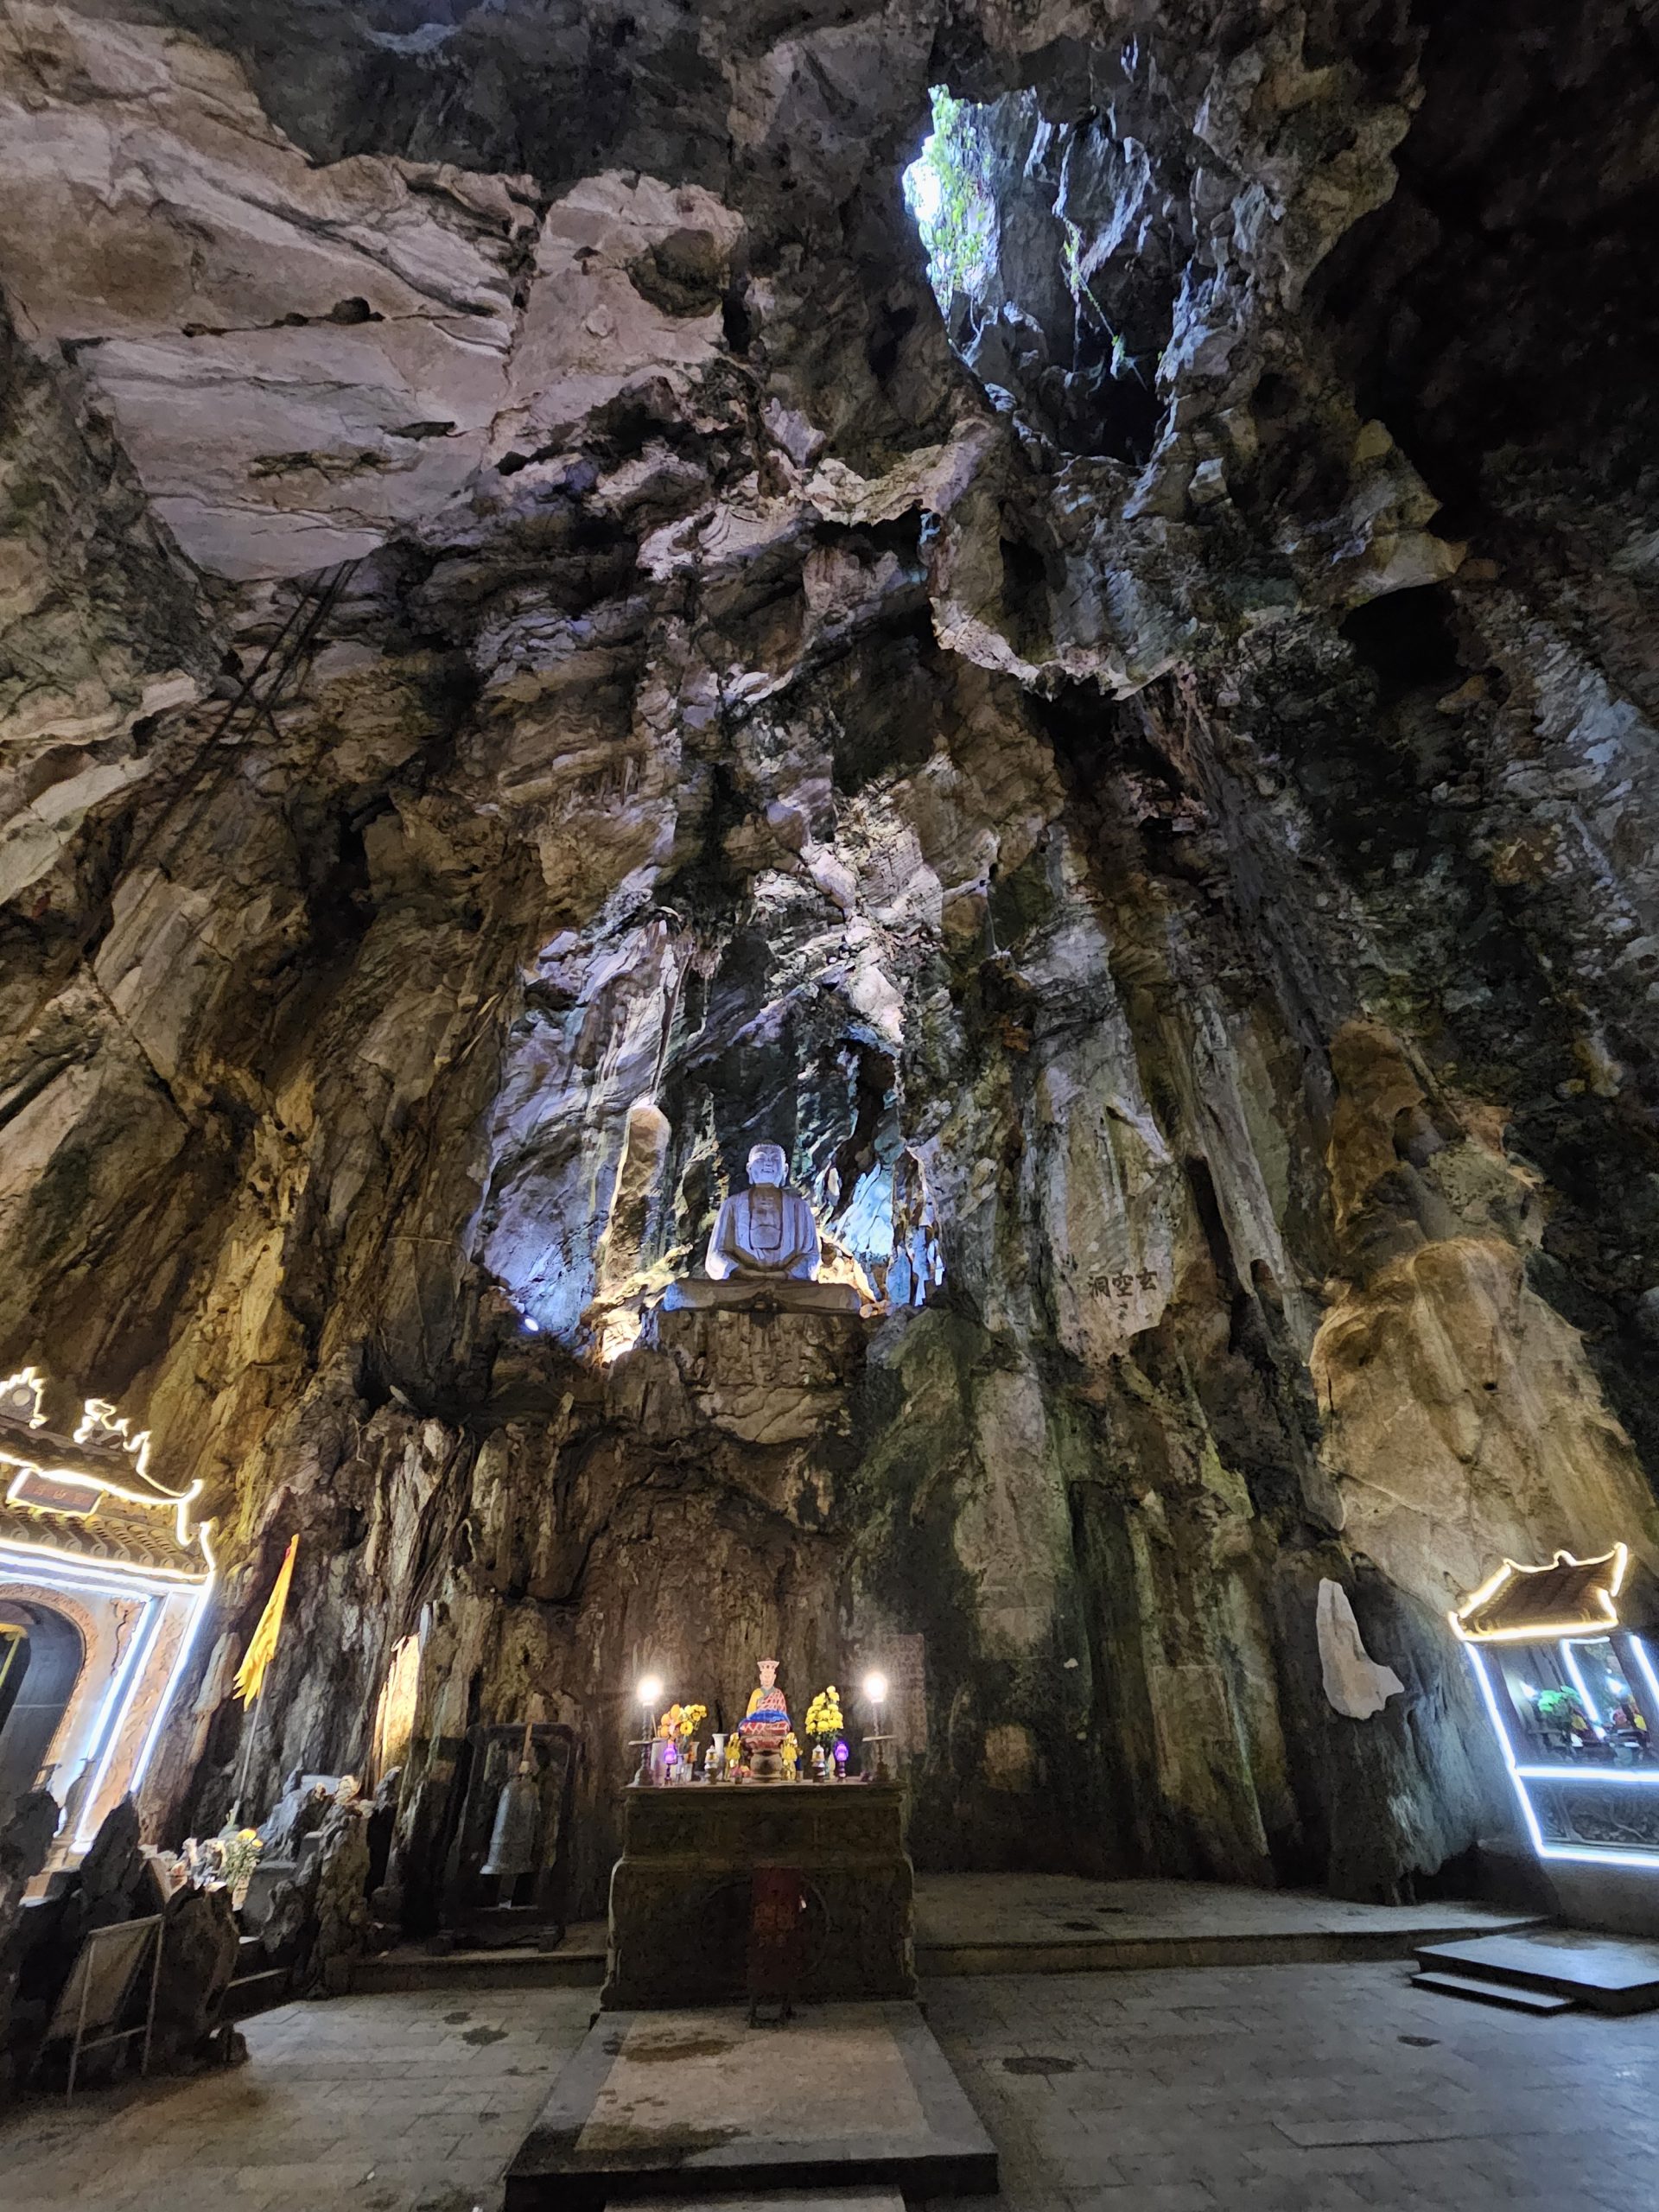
x,y
680,1893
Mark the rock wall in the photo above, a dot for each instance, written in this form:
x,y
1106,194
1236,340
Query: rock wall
x,y
530,660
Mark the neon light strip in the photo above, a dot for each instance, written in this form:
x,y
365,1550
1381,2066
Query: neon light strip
x,y
1545,1631
132,1577
91,1738
1548,1632
1635,1777
1651,1679
100,1735
84,1589
27,1378
87,1747
1531,1819
186,1645
1594,1855
52,1577
1578,1683
143,1643
93,1578
76,1480
99,1421
1584,1855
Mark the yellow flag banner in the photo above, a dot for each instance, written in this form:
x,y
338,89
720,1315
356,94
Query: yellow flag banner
x,y
251,1674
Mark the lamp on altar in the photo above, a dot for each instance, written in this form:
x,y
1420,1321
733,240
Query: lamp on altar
x,y
648,1692
875,1691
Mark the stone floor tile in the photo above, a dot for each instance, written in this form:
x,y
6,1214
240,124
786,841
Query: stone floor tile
x,y
1427,2126
1264,2089
1161,2196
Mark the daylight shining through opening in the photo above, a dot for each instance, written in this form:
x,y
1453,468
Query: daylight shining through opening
x,y
946,192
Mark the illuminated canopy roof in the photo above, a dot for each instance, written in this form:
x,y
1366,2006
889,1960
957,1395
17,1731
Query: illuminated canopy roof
x,y
1569,1597
90,1496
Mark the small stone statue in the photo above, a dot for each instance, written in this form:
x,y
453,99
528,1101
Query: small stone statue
x,y
767,1231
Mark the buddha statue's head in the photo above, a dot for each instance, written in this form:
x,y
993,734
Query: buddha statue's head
x,y
768,1164
768,1667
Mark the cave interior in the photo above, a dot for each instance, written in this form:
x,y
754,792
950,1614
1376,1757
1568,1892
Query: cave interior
x,y
1048,604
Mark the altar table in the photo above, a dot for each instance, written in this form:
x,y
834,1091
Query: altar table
x,y
680,1893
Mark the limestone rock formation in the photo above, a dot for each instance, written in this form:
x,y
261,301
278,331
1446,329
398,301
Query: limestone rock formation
x,y
24,1842
199,1960
534,654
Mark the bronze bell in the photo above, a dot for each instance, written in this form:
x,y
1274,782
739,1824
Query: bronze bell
x,y
517,1820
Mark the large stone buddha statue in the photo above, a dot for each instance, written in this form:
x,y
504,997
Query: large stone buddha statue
x,y
765,1249
766,1232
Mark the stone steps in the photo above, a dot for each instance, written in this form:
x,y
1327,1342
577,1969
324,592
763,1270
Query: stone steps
x,y
257,1992
1128,1953
579,1963
1512,1996
260,1980
1604,1974
995,1924
1124,1943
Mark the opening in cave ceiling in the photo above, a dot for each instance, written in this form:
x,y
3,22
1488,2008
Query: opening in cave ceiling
x,y
1049,266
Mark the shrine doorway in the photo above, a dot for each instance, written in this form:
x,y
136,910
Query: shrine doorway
x,y
42,1654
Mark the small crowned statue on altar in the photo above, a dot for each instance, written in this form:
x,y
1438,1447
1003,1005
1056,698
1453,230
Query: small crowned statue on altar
x,y
768,1230
765,1725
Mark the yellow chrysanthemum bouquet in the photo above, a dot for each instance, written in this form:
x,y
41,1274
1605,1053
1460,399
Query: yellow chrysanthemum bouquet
x,y
680,1724
823,1717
